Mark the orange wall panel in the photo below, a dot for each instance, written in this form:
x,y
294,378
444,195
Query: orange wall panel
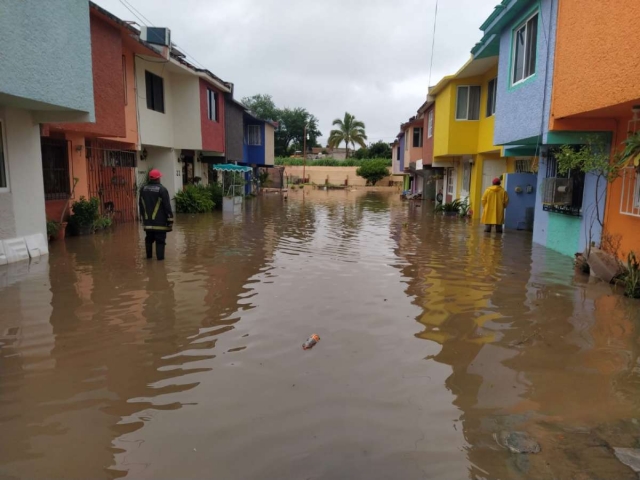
x,y
597,59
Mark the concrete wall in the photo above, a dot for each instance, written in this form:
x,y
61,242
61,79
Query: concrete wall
x,y
165,160
212,130
185,101
522,111
269,144
22,209
46,56
233,130
155,128
337,175
598,58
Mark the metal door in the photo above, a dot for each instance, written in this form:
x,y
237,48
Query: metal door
x,y
111,173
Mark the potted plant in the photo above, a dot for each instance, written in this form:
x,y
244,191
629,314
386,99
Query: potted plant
x,y
85,214
53,230
451,209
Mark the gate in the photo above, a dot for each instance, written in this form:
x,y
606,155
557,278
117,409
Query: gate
x,y
111,172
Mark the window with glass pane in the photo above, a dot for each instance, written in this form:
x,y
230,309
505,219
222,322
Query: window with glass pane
x,y
417,137
525,50
491,97
430,124
253,135
463,103
468,106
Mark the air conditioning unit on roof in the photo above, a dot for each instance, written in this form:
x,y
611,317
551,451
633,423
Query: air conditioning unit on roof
x,y
156,35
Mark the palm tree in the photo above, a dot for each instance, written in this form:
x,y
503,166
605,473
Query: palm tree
x,y
350,131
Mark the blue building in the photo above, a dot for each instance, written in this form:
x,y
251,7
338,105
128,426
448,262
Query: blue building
x,y
523,34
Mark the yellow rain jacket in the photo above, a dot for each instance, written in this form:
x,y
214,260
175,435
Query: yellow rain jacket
x,y
494,201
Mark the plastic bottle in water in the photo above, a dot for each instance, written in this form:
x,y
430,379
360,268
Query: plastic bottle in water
x,y
311,341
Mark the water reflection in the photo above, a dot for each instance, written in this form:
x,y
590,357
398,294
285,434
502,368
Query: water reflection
x,y
435,337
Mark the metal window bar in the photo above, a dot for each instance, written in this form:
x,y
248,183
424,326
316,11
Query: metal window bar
x,y
630,195
55,168
524,166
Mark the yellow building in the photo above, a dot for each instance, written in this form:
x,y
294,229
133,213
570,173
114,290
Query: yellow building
x,y
465,105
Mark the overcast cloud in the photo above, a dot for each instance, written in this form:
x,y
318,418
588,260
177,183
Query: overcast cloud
x,y
367,57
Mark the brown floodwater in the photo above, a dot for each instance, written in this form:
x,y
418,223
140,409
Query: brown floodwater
x,y
435,338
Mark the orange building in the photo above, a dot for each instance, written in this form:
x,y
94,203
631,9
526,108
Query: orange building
x,y
100,156
595,88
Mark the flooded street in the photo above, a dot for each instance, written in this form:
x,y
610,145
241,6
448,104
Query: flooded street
x,y
435,339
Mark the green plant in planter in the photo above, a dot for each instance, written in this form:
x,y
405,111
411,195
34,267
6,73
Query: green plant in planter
x,y
85,213
465,208
52,228
449,208
102,223
631,276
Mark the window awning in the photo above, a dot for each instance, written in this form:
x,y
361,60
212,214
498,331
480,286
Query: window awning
x,y
230,167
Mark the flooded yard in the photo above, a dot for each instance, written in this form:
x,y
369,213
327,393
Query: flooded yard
x,y
437,340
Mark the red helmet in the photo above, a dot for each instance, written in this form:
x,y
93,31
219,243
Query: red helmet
x,y
155,174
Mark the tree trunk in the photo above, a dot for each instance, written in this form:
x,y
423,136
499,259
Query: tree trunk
x,y
346,145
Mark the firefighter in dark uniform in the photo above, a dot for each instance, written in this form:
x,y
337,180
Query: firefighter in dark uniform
x,y
157,216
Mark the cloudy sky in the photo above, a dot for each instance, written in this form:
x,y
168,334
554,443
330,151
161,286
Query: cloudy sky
x,y
367,57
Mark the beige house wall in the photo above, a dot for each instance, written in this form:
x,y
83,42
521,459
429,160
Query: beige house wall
x,y
338,176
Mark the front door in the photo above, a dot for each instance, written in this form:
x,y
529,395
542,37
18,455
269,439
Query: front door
x,y
187,170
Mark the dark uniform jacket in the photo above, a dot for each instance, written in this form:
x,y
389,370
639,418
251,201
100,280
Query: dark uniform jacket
x,y
155,207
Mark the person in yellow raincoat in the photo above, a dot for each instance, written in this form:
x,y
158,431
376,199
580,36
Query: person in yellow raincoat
x,y
494,201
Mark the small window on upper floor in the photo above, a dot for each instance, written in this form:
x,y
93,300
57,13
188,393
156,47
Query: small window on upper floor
x,y
155,91
430,124
468,103
212,105
525,46
491,97
417,137
253,135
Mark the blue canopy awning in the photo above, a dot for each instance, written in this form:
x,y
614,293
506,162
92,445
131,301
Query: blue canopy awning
x,y
230,167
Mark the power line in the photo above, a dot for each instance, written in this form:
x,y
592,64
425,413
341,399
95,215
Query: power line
x,y
433,43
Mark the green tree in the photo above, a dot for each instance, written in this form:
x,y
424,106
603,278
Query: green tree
x,y
349,131
373,171
380,149
362,153
262,106
291,129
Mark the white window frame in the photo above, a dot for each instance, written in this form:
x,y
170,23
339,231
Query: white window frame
x,y
525,62
406,141
630,195
468,87
430,124
251,140
5,163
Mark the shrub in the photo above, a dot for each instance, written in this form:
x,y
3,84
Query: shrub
x,y
52,228
631,276
373,171
102,223
85,212
215,192
194,199
453,207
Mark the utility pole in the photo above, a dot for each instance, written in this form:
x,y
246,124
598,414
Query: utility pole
x,y
304,153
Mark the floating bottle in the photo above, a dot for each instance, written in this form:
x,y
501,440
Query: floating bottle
x,y
311,341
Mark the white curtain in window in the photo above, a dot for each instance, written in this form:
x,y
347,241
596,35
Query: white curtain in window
x,y
463,103
474,103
